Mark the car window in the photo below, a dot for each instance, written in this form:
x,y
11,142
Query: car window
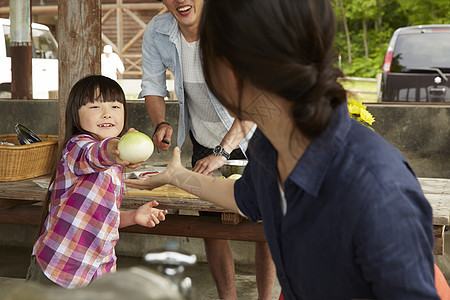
x,y
44,45
422,51
7,40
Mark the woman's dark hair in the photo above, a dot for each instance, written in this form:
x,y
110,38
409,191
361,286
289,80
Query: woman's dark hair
x,y
284,47
87,90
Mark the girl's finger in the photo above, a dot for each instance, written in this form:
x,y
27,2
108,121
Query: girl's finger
x,y
155,219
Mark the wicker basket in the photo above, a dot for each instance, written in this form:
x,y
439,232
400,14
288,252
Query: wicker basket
x,y
26,161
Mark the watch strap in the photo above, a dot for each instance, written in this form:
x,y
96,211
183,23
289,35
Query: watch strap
x,y
219,150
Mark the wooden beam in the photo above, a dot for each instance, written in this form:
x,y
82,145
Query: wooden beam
x,y
107,41
135,18
136,6
38,9
174,225
203,227
133,64
136,38
21,214
80,44
107,15
439,239
119,26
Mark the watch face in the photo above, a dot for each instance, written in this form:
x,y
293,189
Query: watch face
x,y
217,149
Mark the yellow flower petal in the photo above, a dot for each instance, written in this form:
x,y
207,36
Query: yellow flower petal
x,y
367,117
353,109
359,112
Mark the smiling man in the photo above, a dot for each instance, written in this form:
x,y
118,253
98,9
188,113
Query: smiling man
x,y
171,41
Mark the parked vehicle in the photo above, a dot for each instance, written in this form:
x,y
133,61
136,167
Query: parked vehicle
x,y
416,67
44,61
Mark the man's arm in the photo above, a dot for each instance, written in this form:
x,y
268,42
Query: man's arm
x,y
236,134
230,141
156,108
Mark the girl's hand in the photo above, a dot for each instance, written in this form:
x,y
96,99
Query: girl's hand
x,y
162,178
148,216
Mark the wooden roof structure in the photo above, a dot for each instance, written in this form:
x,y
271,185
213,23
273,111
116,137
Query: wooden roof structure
x,y
81,39
122,25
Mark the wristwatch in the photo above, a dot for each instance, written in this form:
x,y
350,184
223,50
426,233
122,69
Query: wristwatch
x,y
218,150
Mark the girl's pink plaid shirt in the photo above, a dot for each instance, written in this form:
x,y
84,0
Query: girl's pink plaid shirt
x,y
81,229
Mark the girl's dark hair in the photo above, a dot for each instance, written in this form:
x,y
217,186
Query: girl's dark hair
x,y
284,47
88,89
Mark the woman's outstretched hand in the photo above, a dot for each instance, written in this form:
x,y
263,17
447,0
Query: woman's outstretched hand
x,y
162,178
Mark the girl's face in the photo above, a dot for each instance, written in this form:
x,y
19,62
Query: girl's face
x,y
104,119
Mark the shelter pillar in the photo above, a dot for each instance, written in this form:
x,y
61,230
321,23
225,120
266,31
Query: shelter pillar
x,y
80,29
21,49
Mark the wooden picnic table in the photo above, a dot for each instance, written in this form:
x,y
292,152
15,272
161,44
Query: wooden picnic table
x,y
437,192
20,204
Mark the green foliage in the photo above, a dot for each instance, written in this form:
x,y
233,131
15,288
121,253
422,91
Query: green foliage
x,y
363,67
382,18
426,11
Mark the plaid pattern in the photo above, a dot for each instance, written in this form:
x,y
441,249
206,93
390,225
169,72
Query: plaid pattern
x,y
81,229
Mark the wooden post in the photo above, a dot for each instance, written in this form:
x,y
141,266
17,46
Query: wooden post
x,y
21,49
80,28
119,27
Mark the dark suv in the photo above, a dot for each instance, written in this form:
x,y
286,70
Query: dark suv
x,y
416,67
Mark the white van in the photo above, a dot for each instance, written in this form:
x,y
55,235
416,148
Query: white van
x,y
44,61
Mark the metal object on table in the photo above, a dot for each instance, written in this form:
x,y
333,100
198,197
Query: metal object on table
x,y
171,262
233,166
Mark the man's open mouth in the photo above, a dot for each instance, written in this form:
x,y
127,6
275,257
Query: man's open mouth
x,y
184,8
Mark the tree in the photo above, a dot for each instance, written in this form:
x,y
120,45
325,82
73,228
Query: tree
x,y
426,11
364,11
340,6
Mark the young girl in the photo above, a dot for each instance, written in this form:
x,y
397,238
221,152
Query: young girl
x,y
81,215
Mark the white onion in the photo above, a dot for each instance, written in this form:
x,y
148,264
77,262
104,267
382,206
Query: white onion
x,y
135,147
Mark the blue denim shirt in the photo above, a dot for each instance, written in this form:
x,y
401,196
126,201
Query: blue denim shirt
x,y
161,48
357,224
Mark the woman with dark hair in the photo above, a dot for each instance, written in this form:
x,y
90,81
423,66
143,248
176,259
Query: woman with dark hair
x,y
344,214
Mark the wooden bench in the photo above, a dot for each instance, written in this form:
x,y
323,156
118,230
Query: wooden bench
x,y
20,203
